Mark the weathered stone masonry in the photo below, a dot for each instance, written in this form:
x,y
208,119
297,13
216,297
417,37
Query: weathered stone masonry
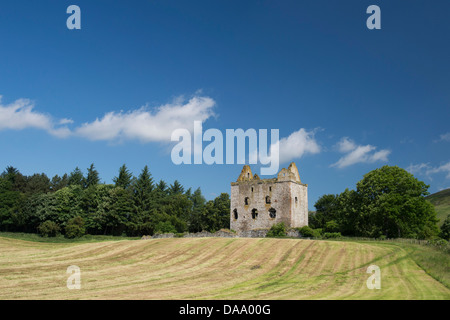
x,y
260,203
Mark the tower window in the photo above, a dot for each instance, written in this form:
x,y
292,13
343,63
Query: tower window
x,y
252,189
272,213
268,199
246,201
296,200
270,189
254,213
235,213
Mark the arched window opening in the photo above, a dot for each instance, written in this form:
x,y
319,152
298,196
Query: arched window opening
x,y
246,201
254,213
235,213
268,199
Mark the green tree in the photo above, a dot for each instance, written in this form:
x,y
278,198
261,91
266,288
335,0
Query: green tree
x,y
278,230
49,229
306,232
59,206
115,210
142,190
326,210
161,187
393,204
10,174
445,229
57,182
20,183
165,227
92,177
124,179
216,213
75,228
17,180
176,188
160,193
141,221
38,183
198,206
347,213
76,178
91,202
222,205
10,208
331,226
178,207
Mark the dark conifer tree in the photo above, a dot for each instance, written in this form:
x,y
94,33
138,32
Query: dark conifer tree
x,y
76,178
124,179
92,178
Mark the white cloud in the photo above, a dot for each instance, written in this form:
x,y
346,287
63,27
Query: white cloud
x,y
141,124
65,121
428,170
297,144
358,153
149,125
381,155
445,137
445,168
346,145
417,168
20,115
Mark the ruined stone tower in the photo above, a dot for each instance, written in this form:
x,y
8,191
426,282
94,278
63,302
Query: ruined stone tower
x,y
260,203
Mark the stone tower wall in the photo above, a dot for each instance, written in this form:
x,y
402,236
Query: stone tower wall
x,y
289,199
299,204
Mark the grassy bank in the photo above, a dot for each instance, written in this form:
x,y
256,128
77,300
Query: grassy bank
x,y
433,260
61,239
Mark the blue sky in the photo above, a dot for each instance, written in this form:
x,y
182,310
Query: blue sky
x,y
346,99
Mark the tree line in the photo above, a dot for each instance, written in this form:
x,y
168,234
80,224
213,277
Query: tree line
x,y
75,204
388,202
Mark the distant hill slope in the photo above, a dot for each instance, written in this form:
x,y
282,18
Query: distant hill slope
x,y
441,201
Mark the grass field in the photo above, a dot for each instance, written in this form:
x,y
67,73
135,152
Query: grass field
x,y
213,268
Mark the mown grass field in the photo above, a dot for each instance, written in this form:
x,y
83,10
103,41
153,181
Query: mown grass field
x,y
212,268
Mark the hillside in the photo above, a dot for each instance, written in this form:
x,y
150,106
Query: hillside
x,y
212,268
441,201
